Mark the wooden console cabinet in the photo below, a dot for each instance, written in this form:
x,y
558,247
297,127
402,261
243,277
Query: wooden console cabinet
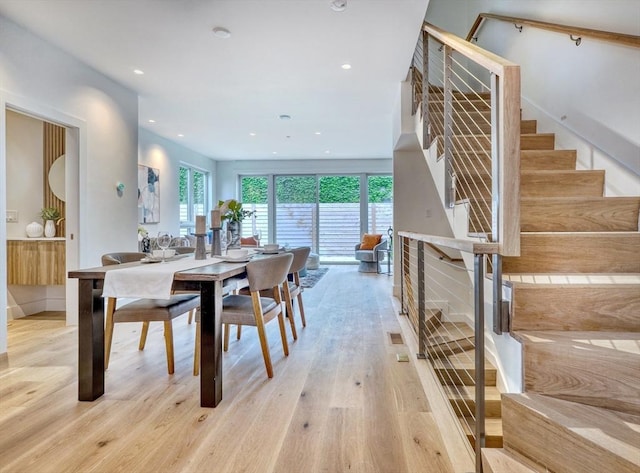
x,y
36,262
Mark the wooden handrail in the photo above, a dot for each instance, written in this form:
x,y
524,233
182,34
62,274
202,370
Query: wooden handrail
x,y
620,38
468,246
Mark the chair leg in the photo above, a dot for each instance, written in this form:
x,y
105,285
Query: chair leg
x,y
289,305
196,352
143,335
262,335
225,345
301,307
108,332
192,313
283,333
238,332
168,341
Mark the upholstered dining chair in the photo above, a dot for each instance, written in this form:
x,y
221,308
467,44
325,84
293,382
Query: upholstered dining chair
x,y
255,309
291,288
145,311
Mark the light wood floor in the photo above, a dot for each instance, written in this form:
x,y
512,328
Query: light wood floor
x,y
340,402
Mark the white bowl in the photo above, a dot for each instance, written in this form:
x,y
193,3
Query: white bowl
x,y
238,254
167,253
271,247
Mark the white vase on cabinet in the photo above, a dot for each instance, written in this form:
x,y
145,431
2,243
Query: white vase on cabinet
x,y
50,229
34,230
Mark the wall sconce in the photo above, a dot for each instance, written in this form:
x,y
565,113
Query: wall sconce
x,y
120,189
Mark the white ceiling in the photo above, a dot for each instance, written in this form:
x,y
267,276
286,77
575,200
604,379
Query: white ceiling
x,y
283,57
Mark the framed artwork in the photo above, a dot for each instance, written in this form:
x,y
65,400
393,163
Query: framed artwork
x,y
148,194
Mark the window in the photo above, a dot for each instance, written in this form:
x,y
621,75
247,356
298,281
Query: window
x,y
255,197
193,197
380,204
296,213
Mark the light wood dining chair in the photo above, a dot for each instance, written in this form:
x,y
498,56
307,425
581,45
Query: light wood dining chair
x,y
291,288
145,311
256,309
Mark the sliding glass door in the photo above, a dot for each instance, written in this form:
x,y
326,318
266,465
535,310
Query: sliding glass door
x,y
339,217
296,211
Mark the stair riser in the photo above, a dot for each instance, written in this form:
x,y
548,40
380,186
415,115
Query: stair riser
x,y
536,184
493,408
460,377
541,439
461,105
552,159
483,142
576,253
584,215
580,371
606,307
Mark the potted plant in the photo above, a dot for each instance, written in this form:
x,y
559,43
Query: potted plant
x,y
50,215
231,210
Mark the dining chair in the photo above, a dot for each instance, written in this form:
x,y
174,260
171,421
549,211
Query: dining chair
x,y
291,287
145,311
256,309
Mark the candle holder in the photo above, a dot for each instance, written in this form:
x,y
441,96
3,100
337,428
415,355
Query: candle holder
x,y
201,251
216,247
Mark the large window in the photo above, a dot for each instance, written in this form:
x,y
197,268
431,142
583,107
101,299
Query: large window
x,y
193,197
329,213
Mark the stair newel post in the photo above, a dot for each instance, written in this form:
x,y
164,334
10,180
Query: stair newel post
x,y
480,432
421,303
426,127
450,199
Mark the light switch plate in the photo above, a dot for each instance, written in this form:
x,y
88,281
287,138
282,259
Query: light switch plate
x,y
12,216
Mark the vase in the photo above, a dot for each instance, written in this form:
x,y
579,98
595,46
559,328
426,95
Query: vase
x,y
34,230
50,229
234,230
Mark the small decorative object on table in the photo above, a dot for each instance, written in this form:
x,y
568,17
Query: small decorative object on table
x,y
231,210
201,225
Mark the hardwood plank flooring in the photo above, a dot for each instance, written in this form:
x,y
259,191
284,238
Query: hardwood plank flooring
x,y
340,402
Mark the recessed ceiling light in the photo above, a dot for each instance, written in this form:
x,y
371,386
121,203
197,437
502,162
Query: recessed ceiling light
x,y
346,67
285,117
274,152
152,121
138,72
327,152
317,133
338,5
252,134
221,32
180,135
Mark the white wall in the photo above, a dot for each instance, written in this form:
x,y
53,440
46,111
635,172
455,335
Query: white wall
x,y
24,171
101,117
166,156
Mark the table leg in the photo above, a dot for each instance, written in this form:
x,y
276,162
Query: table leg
x,y
90,343
210,343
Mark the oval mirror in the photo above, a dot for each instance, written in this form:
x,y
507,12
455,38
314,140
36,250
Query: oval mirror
x,y
56,177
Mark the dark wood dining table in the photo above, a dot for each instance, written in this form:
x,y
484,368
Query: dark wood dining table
x,y
208,280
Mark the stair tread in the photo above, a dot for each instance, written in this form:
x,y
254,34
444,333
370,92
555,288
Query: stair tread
x,y
614,431
464,360
594,338
586,279
500,460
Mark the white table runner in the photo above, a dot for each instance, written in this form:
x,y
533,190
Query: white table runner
x,y
149,281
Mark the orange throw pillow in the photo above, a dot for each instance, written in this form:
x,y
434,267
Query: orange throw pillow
x,y
369,241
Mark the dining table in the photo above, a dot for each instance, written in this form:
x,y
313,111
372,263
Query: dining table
x,y
183,273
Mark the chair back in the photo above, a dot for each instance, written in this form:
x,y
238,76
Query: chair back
x,y
300,256
267,273
121,257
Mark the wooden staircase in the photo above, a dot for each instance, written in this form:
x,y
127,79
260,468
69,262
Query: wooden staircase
x,y
575,310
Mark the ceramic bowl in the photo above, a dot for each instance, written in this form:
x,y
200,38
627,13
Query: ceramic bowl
x,y
238,254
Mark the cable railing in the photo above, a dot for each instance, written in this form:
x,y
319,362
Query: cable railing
x,y
470,104
444,302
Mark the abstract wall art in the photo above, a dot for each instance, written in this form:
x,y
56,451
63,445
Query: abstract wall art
x,y
148,194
